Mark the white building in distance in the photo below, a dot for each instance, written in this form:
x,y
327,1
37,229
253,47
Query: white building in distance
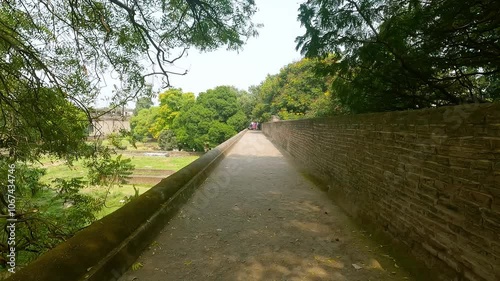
x,y
107,121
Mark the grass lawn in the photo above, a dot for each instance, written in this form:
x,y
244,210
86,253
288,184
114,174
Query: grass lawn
x,y
58,169
159,162
116,194
149,146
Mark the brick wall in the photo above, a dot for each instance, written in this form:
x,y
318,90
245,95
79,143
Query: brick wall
x,y
429,179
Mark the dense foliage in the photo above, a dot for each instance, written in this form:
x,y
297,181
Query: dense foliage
x,y
48,213
299,90
54,58
406,54
149,123
183,122
214,118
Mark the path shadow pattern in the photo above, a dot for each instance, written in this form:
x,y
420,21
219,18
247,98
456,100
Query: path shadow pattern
x,y
257,218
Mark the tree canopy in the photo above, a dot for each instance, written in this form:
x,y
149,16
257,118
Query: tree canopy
x,y
215,117
301,89
142,103
55,57
150,122
63,51
406,54
185,122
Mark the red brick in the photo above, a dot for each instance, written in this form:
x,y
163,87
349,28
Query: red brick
x,y
478,198
431,179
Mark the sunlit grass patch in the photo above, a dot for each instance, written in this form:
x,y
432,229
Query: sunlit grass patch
x,y
161,162
118,195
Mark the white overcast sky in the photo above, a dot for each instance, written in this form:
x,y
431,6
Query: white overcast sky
x,y
266,54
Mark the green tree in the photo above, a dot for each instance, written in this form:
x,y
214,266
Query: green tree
x,y
219,132
191,127
31,127
167,140
406,54
172,102
69,46
301,89
142,103
247,101
238,121
46,213
222,100
142,124
215,116
54,57
150,123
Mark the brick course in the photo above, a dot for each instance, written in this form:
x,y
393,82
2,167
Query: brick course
x,y
429,179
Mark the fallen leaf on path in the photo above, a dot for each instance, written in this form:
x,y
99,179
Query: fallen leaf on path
x,y
137,266
356,266
374,264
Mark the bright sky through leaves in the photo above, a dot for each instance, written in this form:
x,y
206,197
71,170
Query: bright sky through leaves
x,y
271,50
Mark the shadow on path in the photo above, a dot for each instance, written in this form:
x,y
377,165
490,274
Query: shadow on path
x,y
257,218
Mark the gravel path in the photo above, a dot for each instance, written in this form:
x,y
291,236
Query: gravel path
x,y
257,218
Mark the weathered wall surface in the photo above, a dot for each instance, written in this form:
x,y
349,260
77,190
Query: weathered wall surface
x,y
109,125
430,179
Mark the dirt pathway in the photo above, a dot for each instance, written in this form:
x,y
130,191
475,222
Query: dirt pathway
x,y
257,218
